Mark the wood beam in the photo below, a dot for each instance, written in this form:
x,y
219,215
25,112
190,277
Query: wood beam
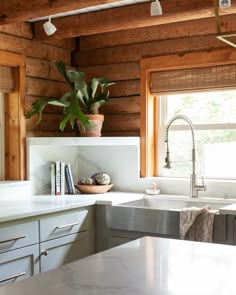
x,y
191,28
33,48
134,52
21,10
129,17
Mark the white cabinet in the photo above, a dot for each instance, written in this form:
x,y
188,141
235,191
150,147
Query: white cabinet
x,y
19,235
19,252
41,245
62,225
19,264
65,238
57,252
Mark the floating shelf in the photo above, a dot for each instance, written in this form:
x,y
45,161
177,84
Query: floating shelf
x,y
84,141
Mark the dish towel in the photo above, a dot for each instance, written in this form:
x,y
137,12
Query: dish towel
x,y
196,224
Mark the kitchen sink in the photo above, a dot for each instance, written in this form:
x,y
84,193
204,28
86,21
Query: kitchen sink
x,y
159,215
176,205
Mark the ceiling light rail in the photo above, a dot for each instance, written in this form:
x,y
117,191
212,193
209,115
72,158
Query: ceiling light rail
x,y
110,5
227,36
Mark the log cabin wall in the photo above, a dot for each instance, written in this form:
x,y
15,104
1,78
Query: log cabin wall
x,y
118,54
42,79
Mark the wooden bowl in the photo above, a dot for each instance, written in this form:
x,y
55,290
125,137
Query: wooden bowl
x,y
93,189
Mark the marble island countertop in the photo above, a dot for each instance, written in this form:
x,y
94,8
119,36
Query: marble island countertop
x,y
145,266
17,208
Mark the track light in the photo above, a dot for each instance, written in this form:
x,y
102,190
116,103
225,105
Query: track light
x,y
156,8
49,28
224,3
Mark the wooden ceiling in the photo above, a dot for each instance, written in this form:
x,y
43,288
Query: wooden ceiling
x,y
115,19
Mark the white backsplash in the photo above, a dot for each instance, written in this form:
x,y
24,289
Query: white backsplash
x,y
118,156
15,189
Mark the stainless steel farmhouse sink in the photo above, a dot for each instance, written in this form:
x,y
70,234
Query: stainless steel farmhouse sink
x,y
159,215
171,205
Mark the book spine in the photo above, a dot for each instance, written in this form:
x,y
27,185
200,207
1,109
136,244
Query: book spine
x,y
53,178
62,178
58,178
68,180
72,181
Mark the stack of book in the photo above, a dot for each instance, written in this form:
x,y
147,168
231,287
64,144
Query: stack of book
x,y
61,179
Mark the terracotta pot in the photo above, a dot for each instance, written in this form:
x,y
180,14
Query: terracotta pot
x,y
94,130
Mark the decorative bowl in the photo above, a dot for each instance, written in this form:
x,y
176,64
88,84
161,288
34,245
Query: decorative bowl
x,y
93,189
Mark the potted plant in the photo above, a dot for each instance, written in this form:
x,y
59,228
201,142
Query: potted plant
x,y
81,104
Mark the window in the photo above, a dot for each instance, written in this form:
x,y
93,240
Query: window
x,y
173,83
213,115
12,84
2,148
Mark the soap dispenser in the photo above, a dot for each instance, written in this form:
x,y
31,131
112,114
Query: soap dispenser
x,y
153,190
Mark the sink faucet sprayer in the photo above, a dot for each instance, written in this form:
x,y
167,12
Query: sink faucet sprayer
x,y
194,187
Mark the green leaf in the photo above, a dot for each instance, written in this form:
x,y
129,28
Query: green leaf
x,y
64,122
105,82
80,97
38,106
61,67
75,111
95,106
94,86
58,103
102,96
64,98
79,79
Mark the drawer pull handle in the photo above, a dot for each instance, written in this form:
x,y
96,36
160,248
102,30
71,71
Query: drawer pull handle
x,y
45,253
67,225
12,239
13,277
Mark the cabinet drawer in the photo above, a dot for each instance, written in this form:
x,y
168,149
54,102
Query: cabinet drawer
x,y
17,236
19,264
63,250
55,227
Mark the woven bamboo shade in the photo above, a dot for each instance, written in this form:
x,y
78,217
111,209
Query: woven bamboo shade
x,y
214,77
7,82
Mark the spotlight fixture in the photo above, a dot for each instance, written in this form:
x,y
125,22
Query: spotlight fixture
x,y
224,3
49,27
156,8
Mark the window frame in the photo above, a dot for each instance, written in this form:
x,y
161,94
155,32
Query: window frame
x,y
14,121
2,138
150,103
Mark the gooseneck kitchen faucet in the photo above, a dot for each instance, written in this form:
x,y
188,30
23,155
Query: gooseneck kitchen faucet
x,y
194,187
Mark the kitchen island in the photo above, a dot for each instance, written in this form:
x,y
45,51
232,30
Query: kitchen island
x,y
145,266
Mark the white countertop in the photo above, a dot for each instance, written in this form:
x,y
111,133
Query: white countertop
x,y
230,209
146,266
17,207
12,209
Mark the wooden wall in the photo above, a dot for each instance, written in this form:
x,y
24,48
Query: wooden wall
x,y
42,79
118,54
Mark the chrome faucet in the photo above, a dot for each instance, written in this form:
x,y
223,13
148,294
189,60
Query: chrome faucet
x,y
194,187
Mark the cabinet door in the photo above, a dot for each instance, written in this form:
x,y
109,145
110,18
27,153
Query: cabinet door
x,y
62,225
18,236
57,252
19,264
